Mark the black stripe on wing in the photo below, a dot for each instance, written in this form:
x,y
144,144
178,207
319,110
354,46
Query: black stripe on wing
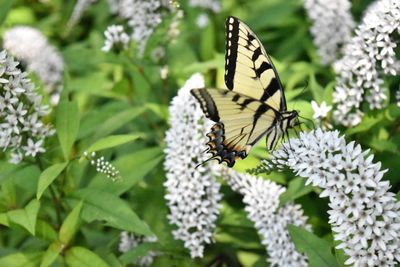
x,y
231,50
207,104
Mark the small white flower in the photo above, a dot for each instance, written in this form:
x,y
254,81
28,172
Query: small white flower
x,y
33,148
202,20
320,112
164,70
115,38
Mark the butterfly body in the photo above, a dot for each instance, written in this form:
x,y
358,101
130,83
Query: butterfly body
x,y
253,105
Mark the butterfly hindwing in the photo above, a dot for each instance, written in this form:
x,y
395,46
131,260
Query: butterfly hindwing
x,y
240,122
248,68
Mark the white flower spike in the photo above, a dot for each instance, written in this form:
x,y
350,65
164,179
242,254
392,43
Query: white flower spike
x,y
22,131
192,193
327,17
368,57
364,215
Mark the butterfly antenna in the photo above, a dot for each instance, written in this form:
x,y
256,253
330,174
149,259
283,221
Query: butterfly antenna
x,y
202,163
304,88
309,120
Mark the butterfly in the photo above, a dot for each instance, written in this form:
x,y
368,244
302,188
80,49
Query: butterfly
x,y
253,105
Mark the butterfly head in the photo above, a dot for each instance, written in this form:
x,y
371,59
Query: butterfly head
x,y
292,117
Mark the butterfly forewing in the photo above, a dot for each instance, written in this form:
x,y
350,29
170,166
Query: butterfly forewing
x,y
248,68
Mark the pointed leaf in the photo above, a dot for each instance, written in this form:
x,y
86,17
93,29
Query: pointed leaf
x,y
112,141
51,254
107,207
4,219
45,231
70,225
117,121
26,217
82,257
67,125
318,250
48,176
5,6
21,260
296,189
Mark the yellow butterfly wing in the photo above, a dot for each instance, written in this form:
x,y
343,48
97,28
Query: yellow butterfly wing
x,y
240,122
248,69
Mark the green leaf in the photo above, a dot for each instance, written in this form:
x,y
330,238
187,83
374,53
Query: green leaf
x,y
316,89
318,250
82,257
137,252
366,124
207,43
142,162
296,189
4,219
107,207
5,6
6,169
70,225
26,217
21,259
48,176
112,141
51,254
117,121
67,125
45,231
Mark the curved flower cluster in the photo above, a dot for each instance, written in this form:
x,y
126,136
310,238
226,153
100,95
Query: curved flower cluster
x,y
143,17
30,46
192,193
130,241
330,17
80,7
213,5
364,215
102,166
367,57
115,38
261,198
22,131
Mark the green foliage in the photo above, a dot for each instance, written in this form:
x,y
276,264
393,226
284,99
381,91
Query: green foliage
x,y
318,251
48,176
67,125
56,209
